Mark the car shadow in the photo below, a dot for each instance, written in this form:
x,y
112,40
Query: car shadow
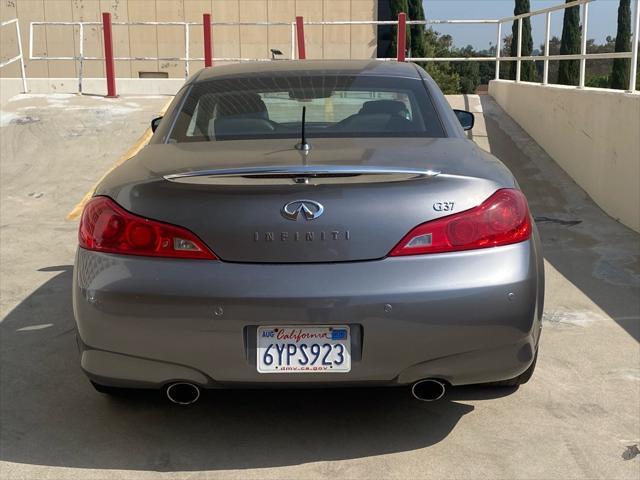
x,y
597,254
52,416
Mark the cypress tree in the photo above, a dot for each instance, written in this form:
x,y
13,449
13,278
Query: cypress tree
x,y
416,12
527,69
569,70
621,66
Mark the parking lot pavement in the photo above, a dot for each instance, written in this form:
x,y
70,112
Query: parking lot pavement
x,y
579,417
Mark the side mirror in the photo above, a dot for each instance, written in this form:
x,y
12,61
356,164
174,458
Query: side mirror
x,y
466,119
155,123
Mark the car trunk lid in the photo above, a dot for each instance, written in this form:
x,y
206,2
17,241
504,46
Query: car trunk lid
x,y
260,203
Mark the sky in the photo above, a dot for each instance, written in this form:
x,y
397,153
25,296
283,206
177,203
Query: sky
x,y
603,18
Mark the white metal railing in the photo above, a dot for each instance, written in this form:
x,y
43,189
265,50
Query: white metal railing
x,y
19,57
81,57
583,56
416,22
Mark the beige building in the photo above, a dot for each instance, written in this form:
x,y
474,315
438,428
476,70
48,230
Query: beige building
x,y
323,41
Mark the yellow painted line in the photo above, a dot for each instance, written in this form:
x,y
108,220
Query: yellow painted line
x,y
135,148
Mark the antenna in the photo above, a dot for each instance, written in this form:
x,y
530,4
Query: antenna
x,y
303,145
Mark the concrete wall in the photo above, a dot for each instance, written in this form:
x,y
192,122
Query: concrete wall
x,y
10,87
168,41
593,134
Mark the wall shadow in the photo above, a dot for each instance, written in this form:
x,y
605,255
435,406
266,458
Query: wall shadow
x,y
595,253
52,416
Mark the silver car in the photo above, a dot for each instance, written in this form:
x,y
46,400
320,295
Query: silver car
x,y
308,223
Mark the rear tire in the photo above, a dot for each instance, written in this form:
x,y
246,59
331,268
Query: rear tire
x,y
521,379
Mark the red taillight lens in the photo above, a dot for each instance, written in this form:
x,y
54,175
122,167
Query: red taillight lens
x,y
107,227
500,220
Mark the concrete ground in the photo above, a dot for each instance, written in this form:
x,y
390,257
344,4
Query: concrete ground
x,y
579,417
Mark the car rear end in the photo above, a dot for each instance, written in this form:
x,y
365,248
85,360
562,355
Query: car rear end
x,y
392,251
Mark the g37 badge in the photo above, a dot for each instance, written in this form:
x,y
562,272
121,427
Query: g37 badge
x,y
443,206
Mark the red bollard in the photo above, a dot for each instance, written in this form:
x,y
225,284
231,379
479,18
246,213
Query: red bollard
x,y
208,50
108,55
402,36
300,31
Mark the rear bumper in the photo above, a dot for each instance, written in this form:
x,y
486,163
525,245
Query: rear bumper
x,y
466,317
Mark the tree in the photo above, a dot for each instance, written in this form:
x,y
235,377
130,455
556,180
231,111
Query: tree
x,y
469,72
598,81
505,67
417,42
437,45
599,71
487,70
568,71
469,76
527,69
554,49
621,66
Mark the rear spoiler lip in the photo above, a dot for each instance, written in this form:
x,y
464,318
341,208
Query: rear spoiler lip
x,y
302,171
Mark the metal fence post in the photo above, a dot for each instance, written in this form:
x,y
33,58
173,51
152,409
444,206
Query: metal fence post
x,y
81,60
302,54
108,55
22,71
208,51
583,49
519,50
20,56
186,50
498,47
31,40
634,49
293,40
547,33
401,40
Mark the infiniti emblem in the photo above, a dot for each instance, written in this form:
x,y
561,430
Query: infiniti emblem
x,y
308,208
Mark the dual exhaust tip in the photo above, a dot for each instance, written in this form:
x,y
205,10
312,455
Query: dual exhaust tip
x,y
427,390
183,393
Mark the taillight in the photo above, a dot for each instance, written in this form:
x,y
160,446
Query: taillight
x,y
107,227
502,219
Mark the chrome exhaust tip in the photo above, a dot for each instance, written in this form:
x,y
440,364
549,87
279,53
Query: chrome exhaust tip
x,y
428,390
183,393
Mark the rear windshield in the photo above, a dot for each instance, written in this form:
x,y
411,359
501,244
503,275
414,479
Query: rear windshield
x,y
336,106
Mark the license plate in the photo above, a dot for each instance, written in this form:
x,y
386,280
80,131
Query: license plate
x,y
299,349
